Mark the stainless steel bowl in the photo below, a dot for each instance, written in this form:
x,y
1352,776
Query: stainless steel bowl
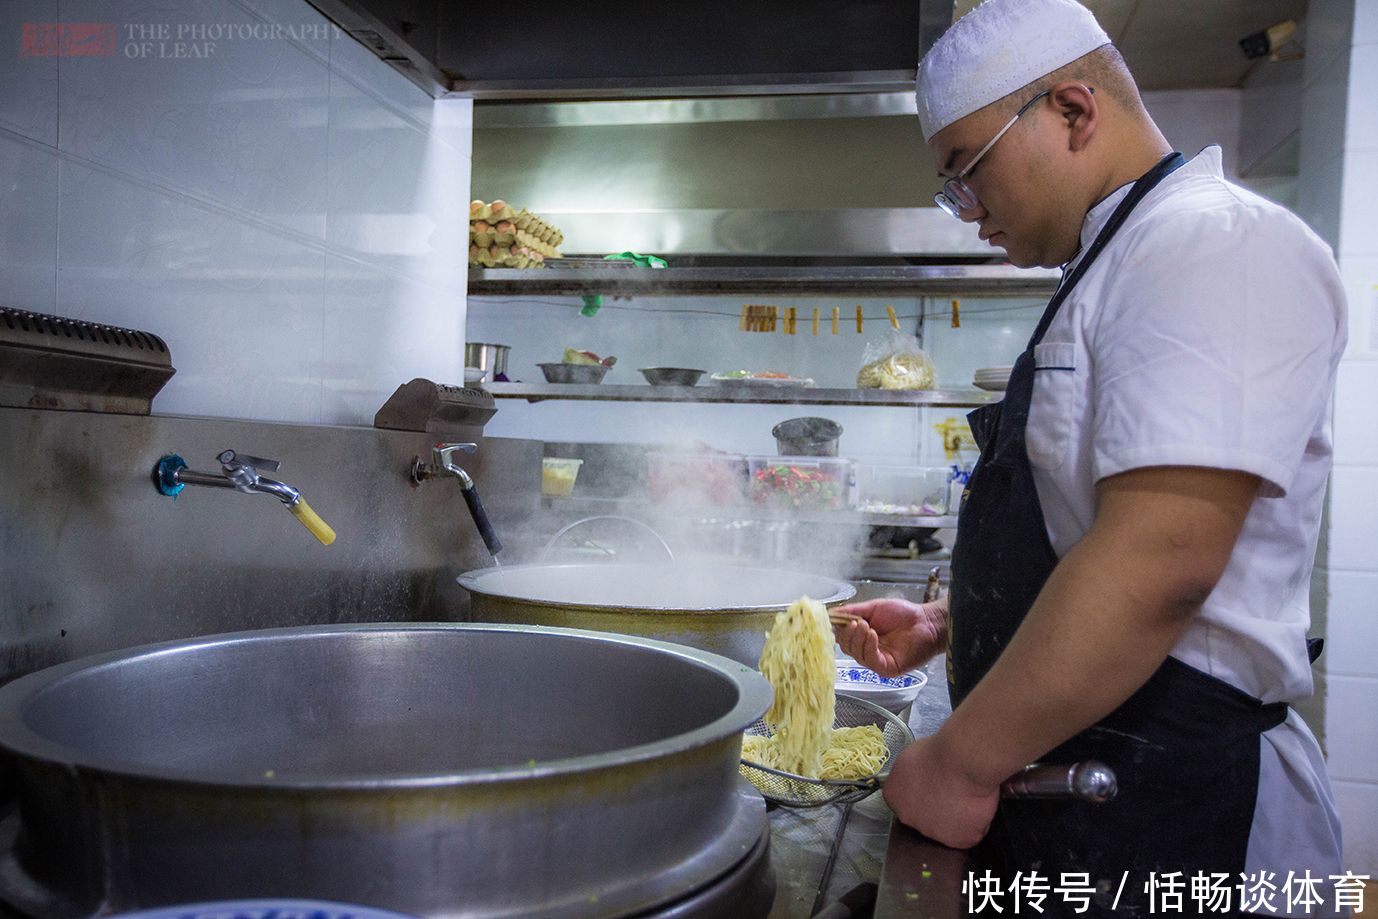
x,y
487,357
573,373
671,376
724,609
807,437
436,770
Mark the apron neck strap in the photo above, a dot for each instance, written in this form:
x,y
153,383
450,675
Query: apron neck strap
x,y
1142,187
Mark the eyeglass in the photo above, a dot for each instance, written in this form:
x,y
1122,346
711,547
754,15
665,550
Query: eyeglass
x,y
955,196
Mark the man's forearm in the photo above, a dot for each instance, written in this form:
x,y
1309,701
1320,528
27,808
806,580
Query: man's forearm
x,y
1083,649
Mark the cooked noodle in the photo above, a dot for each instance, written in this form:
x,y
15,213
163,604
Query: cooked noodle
x,y
798,662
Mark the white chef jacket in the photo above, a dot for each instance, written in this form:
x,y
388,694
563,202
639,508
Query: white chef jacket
x,y
1207,333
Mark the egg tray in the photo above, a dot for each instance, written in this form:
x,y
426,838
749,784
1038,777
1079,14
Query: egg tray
x,y
798,791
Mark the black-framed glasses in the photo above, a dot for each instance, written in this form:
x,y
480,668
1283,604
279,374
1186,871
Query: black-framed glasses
x,y
955,196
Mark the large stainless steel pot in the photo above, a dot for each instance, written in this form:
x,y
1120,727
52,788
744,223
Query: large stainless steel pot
x,y
436,770
719,608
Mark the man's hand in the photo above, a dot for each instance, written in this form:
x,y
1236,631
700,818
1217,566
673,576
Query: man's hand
x,y
893,636
932,795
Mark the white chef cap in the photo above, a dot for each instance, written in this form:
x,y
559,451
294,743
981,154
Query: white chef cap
x,y
997,48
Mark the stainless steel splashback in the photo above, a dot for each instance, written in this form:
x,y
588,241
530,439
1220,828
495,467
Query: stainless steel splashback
x,y
828,175
93,558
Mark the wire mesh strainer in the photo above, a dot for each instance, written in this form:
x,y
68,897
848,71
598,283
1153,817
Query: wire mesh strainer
x,y
798,791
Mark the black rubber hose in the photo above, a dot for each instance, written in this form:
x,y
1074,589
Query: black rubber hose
x,y
857,903
485,529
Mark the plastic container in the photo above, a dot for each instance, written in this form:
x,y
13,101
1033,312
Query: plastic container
x,y
558,475
698,479
799,483
905,491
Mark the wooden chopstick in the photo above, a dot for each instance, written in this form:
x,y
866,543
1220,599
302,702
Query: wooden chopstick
x,y
842,618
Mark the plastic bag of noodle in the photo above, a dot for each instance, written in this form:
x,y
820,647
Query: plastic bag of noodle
x,y
896,362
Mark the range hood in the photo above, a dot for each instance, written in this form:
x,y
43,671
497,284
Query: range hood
x,y
548,50
749,132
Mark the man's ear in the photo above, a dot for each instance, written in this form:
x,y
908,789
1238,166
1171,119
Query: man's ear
x,y
1080,111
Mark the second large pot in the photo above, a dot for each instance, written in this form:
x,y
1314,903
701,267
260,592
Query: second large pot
x,y
435,770
719,608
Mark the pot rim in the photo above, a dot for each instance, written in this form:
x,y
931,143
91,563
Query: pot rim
x,y
469,580
754,696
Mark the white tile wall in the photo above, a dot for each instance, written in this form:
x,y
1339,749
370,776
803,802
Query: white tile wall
x,y
1324,102
1365,22
28,246
1352,701
1353,523
1193,119
288,213
1320,191
28,85
1358,803
1358,216
239,306
1335,194
1356,394
1329,33
1352,636
1361,125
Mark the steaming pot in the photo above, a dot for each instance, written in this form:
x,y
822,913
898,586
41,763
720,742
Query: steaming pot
x,y
723,609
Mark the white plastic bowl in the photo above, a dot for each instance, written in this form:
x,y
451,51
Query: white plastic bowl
x,y
891,694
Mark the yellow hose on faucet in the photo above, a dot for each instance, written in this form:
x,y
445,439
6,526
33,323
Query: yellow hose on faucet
x,y
312,521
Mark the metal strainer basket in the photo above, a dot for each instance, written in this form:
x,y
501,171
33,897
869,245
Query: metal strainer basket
x,y
798,791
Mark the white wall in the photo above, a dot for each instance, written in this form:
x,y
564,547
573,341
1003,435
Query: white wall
x,y
287,213
1195,118
1337,188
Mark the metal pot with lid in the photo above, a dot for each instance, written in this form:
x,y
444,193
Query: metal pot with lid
x,y
434,770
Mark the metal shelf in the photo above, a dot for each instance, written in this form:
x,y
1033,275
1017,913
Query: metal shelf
x,y
752,395
628,506
908,281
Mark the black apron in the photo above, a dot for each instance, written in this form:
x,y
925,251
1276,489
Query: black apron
x,y
1185,746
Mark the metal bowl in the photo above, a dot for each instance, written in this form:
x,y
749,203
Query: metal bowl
x,y
798,791
487,357
671,376
434,770
725,609
807,437
573,373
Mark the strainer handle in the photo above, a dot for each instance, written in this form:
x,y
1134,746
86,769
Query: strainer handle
x,y
1089,781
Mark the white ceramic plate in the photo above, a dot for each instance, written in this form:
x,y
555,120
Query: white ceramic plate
x,y
264,909
991,385
765,382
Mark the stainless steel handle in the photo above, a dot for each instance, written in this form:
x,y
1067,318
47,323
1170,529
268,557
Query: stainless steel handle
x,y
230,458
930,591
1090,781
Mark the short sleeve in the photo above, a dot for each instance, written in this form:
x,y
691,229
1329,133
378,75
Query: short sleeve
x,y
1216,344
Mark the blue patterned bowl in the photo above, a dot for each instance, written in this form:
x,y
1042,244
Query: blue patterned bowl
x,y
890,693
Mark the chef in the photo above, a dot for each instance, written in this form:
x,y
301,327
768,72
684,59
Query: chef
x,y
1131,574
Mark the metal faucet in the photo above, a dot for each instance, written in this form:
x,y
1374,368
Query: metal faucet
x,y
240,472
442,463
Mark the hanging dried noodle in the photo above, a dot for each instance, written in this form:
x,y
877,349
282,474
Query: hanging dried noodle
x,y
798,662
